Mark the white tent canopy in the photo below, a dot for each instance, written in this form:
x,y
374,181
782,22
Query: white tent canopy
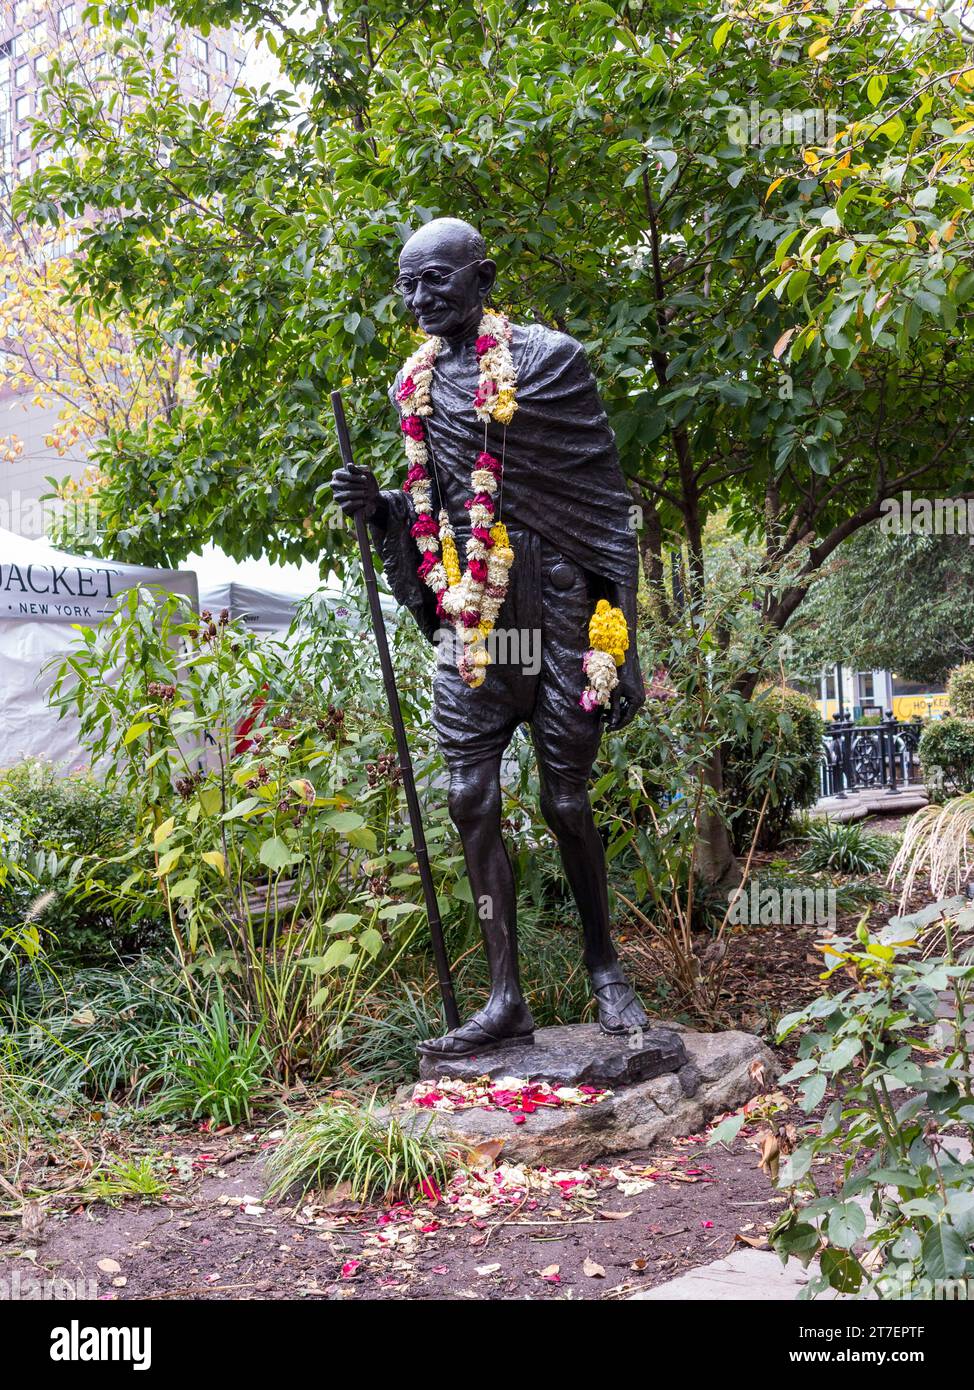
x,y
43,594
263,596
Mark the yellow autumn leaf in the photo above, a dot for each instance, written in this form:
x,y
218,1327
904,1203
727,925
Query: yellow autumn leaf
x,y
163,831
772,186
819,48
215,859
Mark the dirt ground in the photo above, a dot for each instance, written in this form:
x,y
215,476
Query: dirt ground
x,y
214,1237
605,1233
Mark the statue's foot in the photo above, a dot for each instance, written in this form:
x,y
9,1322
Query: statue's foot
x,y
486,1031
620,1011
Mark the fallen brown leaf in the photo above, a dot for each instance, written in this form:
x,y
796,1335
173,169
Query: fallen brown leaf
x,y
483,1154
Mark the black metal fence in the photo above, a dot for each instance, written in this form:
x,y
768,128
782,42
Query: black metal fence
x,y
859,756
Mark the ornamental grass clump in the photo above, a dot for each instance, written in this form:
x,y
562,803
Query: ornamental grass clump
x,y
340,1144
843,848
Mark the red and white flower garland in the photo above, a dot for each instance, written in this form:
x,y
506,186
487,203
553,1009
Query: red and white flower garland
x,y
471,601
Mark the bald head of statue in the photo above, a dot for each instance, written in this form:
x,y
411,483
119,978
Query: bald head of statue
x,y
445,276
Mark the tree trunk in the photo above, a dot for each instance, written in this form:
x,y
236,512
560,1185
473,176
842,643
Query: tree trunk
x,y
716,862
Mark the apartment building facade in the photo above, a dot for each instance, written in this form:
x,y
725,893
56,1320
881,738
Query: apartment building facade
x,y
31,32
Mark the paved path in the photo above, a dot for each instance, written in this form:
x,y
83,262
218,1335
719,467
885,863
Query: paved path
x,y
873,802
754,1275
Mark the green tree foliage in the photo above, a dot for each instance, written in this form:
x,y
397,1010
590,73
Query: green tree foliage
x,y
776,314
903,603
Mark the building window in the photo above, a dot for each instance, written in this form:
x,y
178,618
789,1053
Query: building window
x,y
201,49
23,168
22,74
866,688
22,109
23,137
66,18
202,81
220,60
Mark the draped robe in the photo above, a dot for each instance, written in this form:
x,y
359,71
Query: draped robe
x,y
561,477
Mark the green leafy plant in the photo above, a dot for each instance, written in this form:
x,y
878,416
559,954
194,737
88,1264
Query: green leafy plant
x,y
772,763
843,847
901,1076
946,755
53,822
216,1072
97,1032
338,1143
380,1045
121,1178
271,831
960,691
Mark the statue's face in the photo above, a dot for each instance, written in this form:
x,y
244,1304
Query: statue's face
x,y
442,286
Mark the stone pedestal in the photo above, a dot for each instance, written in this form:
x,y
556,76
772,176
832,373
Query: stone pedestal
x,y
714,1076
577,1054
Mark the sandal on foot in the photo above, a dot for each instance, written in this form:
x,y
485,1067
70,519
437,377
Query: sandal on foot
x,y
610,1010
470,1039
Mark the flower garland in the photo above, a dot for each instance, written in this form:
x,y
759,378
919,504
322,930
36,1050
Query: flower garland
x,y
470,599
608,633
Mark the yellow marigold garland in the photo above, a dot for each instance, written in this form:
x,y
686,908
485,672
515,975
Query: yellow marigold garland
x,y
608,633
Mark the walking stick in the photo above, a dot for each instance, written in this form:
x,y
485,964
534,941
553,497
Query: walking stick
x,y
402,747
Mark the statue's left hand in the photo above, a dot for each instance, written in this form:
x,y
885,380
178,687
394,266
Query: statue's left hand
x,y
629,695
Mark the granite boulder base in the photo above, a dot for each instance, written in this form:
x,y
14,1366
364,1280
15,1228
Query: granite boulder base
x,y
577,1054
720,1072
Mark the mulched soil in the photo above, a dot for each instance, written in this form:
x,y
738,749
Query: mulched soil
x,y
213,1235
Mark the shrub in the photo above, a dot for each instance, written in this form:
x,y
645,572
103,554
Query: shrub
x,y
271,831
846,849
776,755
937,841
947,756
215,1071
52,823
902,1080
960,691
338,1143
99,1032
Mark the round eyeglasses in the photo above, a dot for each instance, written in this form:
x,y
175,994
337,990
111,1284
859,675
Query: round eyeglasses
x,y
433,279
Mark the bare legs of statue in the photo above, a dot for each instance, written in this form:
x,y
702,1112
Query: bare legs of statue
x,y
475,807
